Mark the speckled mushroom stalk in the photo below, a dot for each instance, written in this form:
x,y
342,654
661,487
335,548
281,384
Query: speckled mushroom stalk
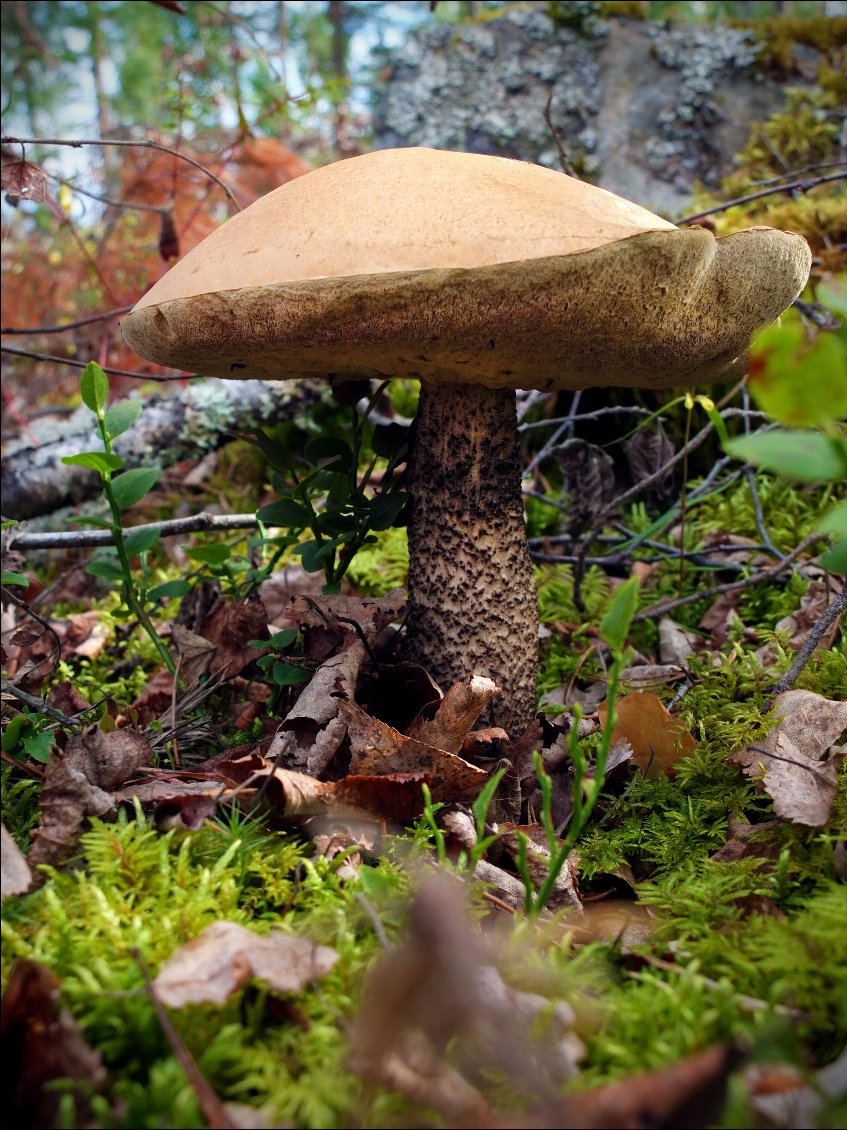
x,y
477,275
472,597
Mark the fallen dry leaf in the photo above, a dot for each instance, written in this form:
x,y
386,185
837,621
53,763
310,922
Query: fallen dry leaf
x,y
226,956
621,921
15,875
687,1096
796,761
658,739
229,627
455,714
676,644
79,782
194,653
196,802
394,796
783,1096
378,749
566,889
41,1044
643,675
437,1016
313,725
746,840
797,625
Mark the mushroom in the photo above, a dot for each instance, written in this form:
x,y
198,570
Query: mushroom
x,y
478,275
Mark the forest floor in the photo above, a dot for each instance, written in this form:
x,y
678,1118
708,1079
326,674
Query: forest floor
x,y
219,934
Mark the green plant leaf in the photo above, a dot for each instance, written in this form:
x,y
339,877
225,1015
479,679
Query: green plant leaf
x,y
385,509
389,440
139,541
168,590
121,416
805,455
15,579
275,453
106,568
334,523
38,746
287,675
282,640
834,521
799,382
97,523
330,451
96,460
284,512
131,486
316,555
835,559
614,627
94,387
216,553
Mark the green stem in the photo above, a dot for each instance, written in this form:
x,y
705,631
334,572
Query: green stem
x,y
583,806
129,593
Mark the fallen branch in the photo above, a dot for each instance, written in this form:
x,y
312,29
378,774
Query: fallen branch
x,y
94,539
792,186
814,637
664,606
186,425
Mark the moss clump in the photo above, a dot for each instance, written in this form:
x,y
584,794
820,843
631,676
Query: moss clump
x,y
381,565
137,889
778,37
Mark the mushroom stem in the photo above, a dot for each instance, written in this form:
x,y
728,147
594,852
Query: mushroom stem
x,y
472,596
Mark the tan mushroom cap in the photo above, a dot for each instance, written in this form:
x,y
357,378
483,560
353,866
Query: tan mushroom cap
x,y
465,269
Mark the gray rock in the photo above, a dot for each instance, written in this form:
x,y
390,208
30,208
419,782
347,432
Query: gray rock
x,y
645,109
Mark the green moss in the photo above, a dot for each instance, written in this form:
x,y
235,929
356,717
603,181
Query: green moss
x,y
138,889
382,565
777,37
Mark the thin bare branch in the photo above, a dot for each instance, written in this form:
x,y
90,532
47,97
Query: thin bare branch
x,y
79,143
664,606
32,330
81,365
93,539
797,185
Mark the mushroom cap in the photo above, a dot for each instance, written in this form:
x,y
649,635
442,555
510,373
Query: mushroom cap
x,y
466,269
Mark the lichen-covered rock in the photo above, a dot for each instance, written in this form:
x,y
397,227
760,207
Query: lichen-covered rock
x,y
645,109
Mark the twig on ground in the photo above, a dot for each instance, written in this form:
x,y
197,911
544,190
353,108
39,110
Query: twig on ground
x,y
828,617
662,607
38,704
93,539
211,1106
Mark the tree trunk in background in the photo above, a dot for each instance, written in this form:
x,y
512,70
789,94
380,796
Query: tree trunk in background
x,y
340,42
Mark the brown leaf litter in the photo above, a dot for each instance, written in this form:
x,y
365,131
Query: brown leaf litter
x,y
796,762
41,1044
209,969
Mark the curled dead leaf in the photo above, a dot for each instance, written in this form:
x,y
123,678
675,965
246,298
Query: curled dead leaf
x,y
14,869
378,749
796,762
658,739
226,956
